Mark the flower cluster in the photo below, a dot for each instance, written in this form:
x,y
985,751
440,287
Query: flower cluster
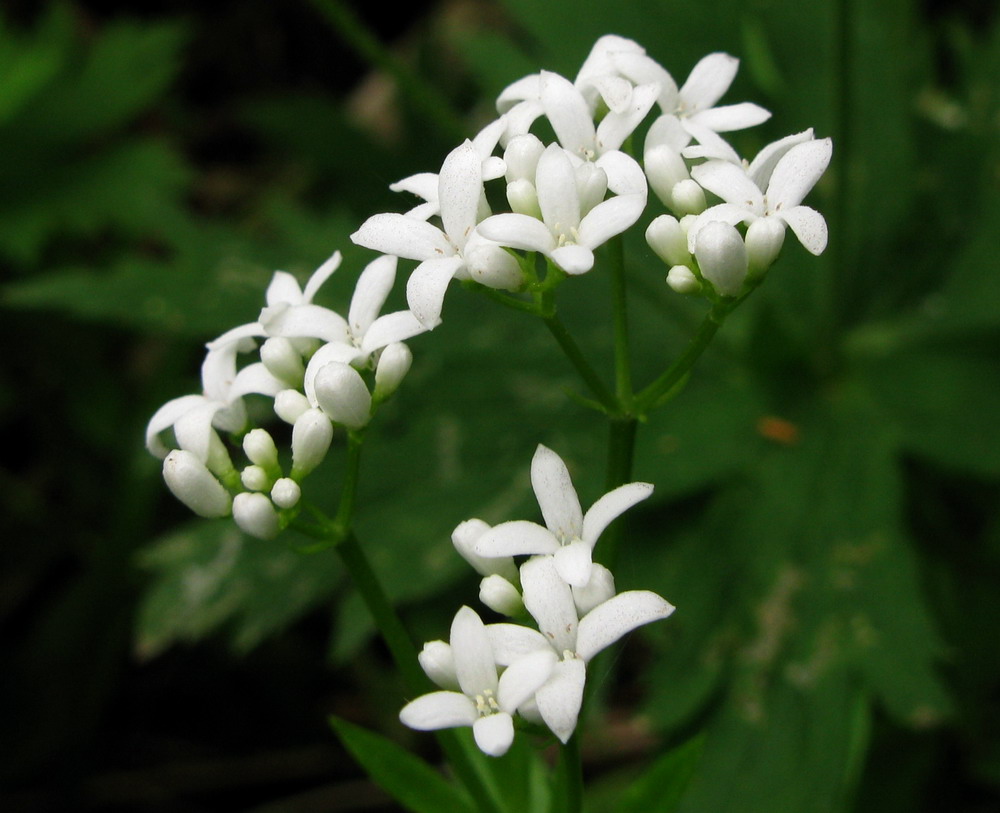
x,y
569,196
490,672
312,363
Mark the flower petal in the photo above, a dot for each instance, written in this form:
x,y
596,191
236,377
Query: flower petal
x,y
165,417
283,288
573,563
439,710
403,236
392,327
550,601
731,117
568,113
573,259
320,275
555,494
494,733
559,700
616,126
708,81
518,231
730,213
304,322
524,677
426,287
763,164
609,621
731,183
515,538
513,641
809,226
470,645
610,506
797,172
609,218
460,186
370,293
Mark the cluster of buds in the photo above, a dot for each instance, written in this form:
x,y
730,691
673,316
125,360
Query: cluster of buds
x,y
320,371
491,673
569,196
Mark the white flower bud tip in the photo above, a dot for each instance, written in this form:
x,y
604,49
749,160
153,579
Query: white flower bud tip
x,y
258,445
311,437
722,257
286,493
439,664
342,394
289,405
682,279
255,515
254,478
764,239
283,360
194,485
669,240
393,365
500,595
688,198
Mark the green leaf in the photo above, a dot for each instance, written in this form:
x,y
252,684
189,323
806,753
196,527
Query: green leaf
x,y
405,777
660,788
208,577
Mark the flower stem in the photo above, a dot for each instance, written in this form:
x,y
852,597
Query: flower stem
x,y
619,305
590,377
569,777
651,396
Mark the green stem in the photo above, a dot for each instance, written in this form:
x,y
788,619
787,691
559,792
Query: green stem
x,y
590,377
425,97
569,777
651,395
623,366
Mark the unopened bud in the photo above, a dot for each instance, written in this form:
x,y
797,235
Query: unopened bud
x,y
289,405
523,198
599,589
764,239
342,394
258,445
254,478
311,437
682,279
255,515
591,185
688,198
521,156
393,365
500,596
669,240
464,539
286,493
722,257
665,168
194,485
283,360
438,663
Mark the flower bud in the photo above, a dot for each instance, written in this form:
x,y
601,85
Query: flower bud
x,y
591,184
311,436
722,257
342,394
688,198
682,280
282,360
491,265
464,538
289,405
669,240
258,445
194,485
438,664
255,515
764,239
665,168
500,595
392,367
523,198
286,493
521,157
599,589
254,478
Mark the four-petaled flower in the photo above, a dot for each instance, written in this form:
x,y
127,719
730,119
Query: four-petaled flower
x,y
486,701
568,534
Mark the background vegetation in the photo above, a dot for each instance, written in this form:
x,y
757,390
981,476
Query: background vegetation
x,y
825,516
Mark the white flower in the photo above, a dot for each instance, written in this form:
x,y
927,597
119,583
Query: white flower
x,y
788,180
455,250
290,312
694,103
574,639
722,257
486,701
569,534
575,220
220,405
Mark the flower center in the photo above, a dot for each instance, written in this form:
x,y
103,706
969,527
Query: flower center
x,y
486,703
